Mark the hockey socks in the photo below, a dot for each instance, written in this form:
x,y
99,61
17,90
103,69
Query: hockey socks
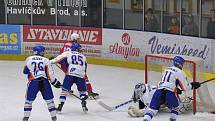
x,y
27,108
51,107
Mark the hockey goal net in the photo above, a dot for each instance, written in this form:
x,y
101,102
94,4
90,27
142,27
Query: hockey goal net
x,y
203,99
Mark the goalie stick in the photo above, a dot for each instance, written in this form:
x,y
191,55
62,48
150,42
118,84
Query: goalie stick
x,y
99,102
109,108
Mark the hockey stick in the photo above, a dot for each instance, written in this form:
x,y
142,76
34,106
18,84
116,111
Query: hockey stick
x,y
102,104
207,81
115,107
71,93
99,102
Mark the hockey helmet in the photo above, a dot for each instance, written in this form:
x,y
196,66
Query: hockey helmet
x,y
75,47
75,37
178,60
39,50
140,87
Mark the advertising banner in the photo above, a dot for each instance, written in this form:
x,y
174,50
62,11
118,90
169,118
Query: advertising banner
x,y
10,39
53,38
133,45
122,45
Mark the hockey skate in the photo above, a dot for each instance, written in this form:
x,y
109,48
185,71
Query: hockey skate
x,y
93,95
25,118
59,108
84,107
54,118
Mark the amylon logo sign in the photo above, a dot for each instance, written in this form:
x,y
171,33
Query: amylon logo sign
x,y
57,34
126,48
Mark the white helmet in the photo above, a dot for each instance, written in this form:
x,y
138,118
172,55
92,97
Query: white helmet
x,y
75,37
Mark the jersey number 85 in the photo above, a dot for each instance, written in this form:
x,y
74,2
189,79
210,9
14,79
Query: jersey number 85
x,y
77,60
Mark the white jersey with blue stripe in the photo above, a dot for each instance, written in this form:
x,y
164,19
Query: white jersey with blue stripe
x,y
38,66
173,77
77,63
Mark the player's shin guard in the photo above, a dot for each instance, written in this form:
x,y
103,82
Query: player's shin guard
x,y
51,107
174,114
83,97
63,96
149,114
27,108
62,100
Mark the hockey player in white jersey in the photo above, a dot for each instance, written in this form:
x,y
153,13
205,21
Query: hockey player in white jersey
x,y
39,72
143,94
172,77
75,74
75,38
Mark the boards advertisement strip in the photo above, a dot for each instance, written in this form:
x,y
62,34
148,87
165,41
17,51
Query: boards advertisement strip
x,y
53,38
10,39
133,45
59,34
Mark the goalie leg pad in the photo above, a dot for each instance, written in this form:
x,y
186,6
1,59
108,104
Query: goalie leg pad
x,y
131,112
135,112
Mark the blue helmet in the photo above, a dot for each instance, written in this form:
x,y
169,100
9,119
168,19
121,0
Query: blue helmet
x,y
75,47
38,50
178,60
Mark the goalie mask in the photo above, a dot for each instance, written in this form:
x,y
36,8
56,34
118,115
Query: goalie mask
x,y
140,88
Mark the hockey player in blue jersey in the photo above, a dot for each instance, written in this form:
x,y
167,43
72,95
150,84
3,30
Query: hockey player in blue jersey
x,y
166,93
75,74
39,72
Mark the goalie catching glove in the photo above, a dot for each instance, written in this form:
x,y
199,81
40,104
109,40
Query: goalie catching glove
x,y
195,85
56,83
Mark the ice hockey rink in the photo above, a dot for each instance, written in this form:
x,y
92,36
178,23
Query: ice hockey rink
x,y
114,84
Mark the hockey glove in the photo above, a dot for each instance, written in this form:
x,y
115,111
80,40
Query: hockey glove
x,y
56,83
179,91
195,85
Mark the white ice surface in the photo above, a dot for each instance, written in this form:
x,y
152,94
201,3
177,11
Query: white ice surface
x,y
114,85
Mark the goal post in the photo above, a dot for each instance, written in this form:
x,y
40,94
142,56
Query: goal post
x,y
154,64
